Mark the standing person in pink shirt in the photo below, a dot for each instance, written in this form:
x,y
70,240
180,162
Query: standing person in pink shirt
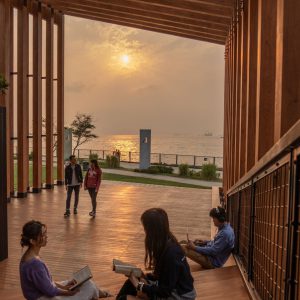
x,y
92,183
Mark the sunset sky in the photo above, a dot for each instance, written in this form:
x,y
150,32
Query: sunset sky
x,y
130,79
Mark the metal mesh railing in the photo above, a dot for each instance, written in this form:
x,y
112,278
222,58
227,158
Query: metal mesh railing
x,y
270,235
265,215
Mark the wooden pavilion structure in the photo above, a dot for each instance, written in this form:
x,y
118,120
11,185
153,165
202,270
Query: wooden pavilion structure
x,y
261,124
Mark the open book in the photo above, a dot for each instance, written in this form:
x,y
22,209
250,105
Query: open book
x,y
81,276
126,269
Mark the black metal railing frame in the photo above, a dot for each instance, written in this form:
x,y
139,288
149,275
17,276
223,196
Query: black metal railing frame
x,y
291,281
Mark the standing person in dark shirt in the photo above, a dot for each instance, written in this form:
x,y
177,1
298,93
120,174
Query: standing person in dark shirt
x,y
73,181
171,277
92,183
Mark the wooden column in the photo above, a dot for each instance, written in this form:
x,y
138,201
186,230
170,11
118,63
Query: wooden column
x,y
266,68
243,89
49,99
251,83
22,94
287,97
60,100
11,107
37,99
4,69
238,97
233,101
231,80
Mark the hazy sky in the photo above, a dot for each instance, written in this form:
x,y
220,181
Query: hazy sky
x,y
130,79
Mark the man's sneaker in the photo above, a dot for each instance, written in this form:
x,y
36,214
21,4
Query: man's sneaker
x,y
67,213
92,213
75,211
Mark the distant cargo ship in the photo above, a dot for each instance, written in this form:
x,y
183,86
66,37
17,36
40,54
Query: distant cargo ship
x,y
208,133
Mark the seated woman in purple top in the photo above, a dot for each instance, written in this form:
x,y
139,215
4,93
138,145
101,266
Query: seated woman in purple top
x,y
36,281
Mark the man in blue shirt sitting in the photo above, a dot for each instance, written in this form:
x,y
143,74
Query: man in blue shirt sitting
x,y
213,254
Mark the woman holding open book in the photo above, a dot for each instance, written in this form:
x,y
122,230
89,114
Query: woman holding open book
x,y
171,277
36,280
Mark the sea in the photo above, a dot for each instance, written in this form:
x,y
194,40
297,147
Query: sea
x,y
183,144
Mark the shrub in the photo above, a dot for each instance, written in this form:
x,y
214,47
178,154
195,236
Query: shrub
x,y
93,156
209,172
30,156
159,169
184,170
112,161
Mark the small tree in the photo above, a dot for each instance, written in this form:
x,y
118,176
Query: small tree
x,y
82,128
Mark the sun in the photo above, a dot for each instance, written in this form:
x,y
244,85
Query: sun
x,y
125,59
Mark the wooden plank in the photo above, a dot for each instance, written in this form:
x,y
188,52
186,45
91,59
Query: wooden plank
x,y
243,92
49,99
60,99
251,83
176,20
22,103
287,95
266,72
140,8
11,106
169,25
37,100
156,29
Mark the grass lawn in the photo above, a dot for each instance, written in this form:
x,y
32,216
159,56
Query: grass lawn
x,y
115,177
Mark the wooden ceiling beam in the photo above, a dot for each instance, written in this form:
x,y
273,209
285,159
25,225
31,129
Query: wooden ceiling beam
x,y
226,3
163,24
151,16
180,33
142,9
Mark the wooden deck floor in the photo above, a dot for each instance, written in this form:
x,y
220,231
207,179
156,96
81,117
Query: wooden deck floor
x,y
116,232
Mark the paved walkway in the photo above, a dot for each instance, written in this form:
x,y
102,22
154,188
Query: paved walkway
x,y
163,177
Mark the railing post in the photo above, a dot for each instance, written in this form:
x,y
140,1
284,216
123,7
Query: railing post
x,y
289,250
78,153
251,232
159,158
238,224
214,160
295,249
129,156
102,154
176,162
194,161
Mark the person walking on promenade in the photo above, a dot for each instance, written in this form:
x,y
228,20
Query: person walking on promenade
x,y
73,181
92,183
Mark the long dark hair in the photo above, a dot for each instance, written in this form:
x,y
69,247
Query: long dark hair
x,y
95,162
158,234
32,230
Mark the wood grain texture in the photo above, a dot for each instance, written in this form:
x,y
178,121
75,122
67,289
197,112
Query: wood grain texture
x,y
116,232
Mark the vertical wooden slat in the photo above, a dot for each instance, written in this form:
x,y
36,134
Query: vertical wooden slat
x,y
23,106
238,97
11,106
4,69
287,96
266,69
251,83
60,100
37,99
49,99
243,90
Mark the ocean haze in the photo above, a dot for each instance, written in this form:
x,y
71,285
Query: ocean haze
x,y
169,84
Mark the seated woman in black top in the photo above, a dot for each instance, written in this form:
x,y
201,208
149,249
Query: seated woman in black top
x,y
171,277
